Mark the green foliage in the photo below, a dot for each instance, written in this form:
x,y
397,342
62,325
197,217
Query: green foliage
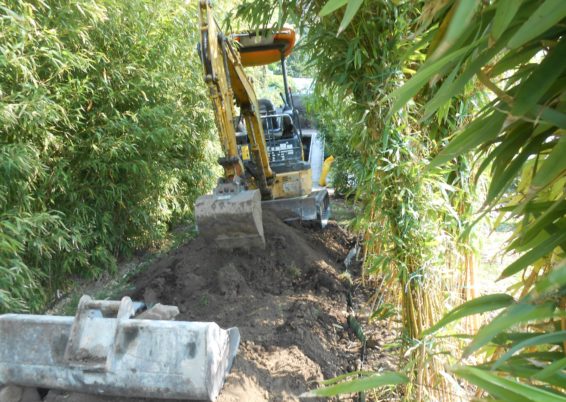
x,y
365,382
267,84
522,350
506,389
297,63
104,136
516,49
335,118
476,306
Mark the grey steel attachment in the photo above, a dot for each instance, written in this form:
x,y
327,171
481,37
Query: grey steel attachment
x,y
231,218
102,350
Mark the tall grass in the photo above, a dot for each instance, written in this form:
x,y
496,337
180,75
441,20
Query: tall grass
x,y
105,134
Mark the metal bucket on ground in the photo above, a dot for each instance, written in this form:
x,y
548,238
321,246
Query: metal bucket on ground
x,y
102,350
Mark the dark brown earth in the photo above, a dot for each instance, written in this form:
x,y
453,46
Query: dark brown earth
x,y
289,302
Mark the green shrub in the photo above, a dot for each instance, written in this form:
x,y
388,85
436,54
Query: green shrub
x,y
336,119
105,136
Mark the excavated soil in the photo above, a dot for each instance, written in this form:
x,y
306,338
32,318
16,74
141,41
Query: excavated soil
x,y
289,302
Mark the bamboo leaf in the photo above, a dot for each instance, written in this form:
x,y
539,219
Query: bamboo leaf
x,y
406,92
550,338
502,179
552,213
337,379
503,153
478,132
358,385
547,15
452,88
549,116
505,389
506,10
544,248
551,369
459,21
513,315
349,14
505,338
522,367
476,306
552,167
536,207
331,6
515,58
542,78
553,281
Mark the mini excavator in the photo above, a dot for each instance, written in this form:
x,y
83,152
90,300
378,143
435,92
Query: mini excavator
x,y
263,147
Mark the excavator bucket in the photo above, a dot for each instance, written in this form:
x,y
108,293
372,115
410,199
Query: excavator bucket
x,y
231,219
102,350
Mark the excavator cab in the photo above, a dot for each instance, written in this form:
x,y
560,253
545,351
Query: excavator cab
x,y
281,126
286,146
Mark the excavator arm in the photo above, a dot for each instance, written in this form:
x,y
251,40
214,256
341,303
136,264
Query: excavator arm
x,y
231,216
229,86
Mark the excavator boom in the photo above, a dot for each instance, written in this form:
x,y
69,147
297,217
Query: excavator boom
x,y
231,216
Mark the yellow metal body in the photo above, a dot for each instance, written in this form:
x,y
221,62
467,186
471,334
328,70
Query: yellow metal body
x,y
325,169
245,151
292,184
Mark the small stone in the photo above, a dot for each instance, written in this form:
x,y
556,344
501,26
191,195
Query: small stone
x,y
31,395
150,296
159,312
11,393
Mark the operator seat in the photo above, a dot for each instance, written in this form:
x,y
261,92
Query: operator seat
x,y
266,108
288,126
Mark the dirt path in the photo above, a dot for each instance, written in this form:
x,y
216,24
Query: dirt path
x,y
289,302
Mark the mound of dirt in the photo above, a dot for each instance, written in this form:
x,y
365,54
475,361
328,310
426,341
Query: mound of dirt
x,y
287,300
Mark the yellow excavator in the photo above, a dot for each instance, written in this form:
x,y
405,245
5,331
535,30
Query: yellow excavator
x,y
263,147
